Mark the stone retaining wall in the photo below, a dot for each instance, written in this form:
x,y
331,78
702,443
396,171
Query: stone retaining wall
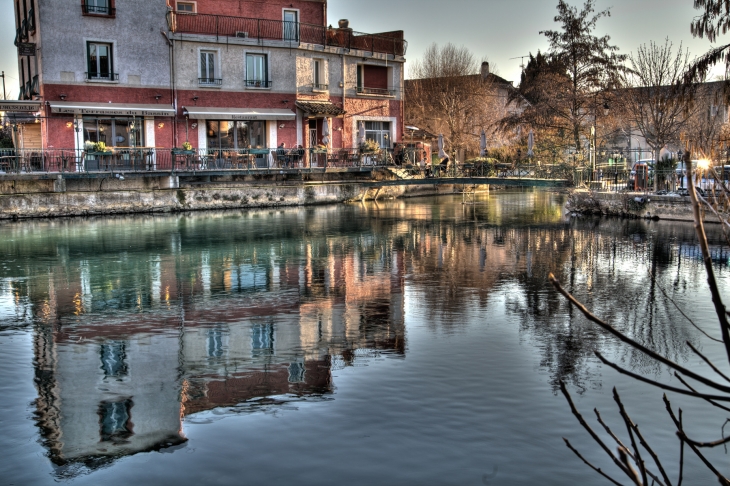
x,y
633,206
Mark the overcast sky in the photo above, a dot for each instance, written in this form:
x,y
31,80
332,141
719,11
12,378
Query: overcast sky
x,y
497,29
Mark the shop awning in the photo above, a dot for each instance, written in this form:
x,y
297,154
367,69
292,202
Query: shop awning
x,y
318,109
20,106
111,109
207,113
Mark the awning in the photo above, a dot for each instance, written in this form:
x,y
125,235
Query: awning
x,y
320,108
20,106
111,109
207,113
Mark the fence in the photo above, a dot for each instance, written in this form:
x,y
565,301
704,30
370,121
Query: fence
x,y
278,30
148,159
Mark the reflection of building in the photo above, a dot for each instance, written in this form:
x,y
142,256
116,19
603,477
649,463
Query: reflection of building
x,y
121,361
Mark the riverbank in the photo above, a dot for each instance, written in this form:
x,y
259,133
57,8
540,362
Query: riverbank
x,y
56,197
633,205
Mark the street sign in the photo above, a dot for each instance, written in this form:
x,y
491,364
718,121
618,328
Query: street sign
x,y
26,49
20,106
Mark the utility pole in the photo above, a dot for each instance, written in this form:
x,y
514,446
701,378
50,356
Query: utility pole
x,y
3,76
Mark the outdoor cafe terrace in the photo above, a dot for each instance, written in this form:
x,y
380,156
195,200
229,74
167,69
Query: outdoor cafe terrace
x,y
294,33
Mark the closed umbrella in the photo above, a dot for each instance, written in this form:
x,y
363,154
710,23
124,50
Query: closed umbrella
x,y
530,143
442,154
361,132
325,132
483,145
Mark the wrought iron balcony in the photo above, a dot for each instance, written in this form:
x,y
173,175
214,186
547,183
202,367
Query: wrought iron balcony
x,y
102,76
210,81
375,91
320,87
256,83
102,10
294,33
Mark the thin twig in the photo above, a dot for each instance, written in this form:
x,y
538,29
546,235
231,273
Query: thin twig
x,y
597,469
591,317
709,363
722,398
707,258
681,454
679,377
588,428
633,475
682,437
708,444
629,428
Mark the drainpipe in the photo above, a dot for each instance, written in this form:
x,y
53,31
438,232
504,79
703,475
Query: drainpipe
x,y
173,99
344,97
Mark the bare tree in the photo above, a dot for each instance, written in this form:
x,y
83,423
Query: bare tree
x,y
654,102
451,92
706,126
569,91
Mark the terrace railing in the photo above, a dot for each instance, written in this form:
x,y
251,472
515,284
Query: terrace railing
x,y
278,30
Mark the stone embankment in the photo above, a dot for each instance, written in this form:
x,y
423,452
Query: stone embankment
x,y
633,205
55,197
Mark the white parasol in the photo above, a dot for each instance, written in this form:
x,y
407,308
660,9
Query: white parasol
x,y
483,144
361,132
442,154
530,143
325,132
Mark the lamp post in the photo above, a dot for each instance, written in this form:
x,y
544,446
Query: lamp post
x,y
2,75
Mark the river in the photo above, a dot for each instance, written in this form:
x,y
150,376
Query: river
x,y
401,342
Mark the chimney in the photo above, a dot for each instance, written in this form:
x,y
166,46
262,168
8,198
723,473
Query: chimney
x,y
485,70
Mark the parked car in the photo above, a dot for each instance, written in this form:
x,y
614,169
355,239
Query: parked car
x,y
683,191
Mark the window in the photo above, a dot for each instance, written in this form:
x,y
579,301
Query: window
x,y
98,7
235,134
113,359
257,71
262,339
114,132
318,75
373,80
186,7
115,421
291,25
100,62
378,131
296,372
208,68
216,342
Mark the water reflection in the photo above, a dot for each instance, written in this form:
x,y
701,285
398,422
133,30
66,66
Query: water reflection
x,y
139,323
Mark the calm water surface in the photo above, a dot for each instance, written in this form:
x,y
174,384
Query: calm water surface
x,y
407,342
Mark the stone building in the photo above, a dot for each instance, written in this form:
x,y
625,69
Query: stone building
x,y
216,73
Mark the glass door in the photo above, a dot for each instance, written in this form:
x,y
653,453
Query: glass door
x,y
291,25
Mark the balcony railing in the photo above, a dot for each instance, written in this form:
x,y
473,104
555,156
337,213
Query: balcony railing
x,y
102,76
210,81
98,10
255,83
320,87
277,30
375,91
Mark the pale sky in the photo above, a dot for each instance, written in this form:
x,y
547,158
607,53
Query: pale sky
x,y
496,29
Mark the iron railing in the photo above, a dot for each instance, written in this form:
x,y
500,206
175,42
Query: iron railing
x,y
210,81
98,10
320,87
255,83
102,76
278,30
375,91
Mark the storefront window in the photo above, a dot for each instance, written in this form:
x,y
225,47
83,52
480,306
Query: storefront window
x,y
115,132
236,134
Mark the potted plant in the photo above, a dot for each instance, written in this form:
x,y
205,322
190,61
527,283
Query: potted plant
x,y
186,149
369,146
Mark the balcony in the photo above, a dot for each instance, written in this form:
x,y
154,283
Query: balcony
x,y
320,87
102,76
256,83
98,10
294,33
210,82
361,90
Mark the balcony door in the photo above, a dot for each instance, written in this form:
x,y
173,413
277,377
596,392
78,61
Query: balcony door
x,y
291,25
